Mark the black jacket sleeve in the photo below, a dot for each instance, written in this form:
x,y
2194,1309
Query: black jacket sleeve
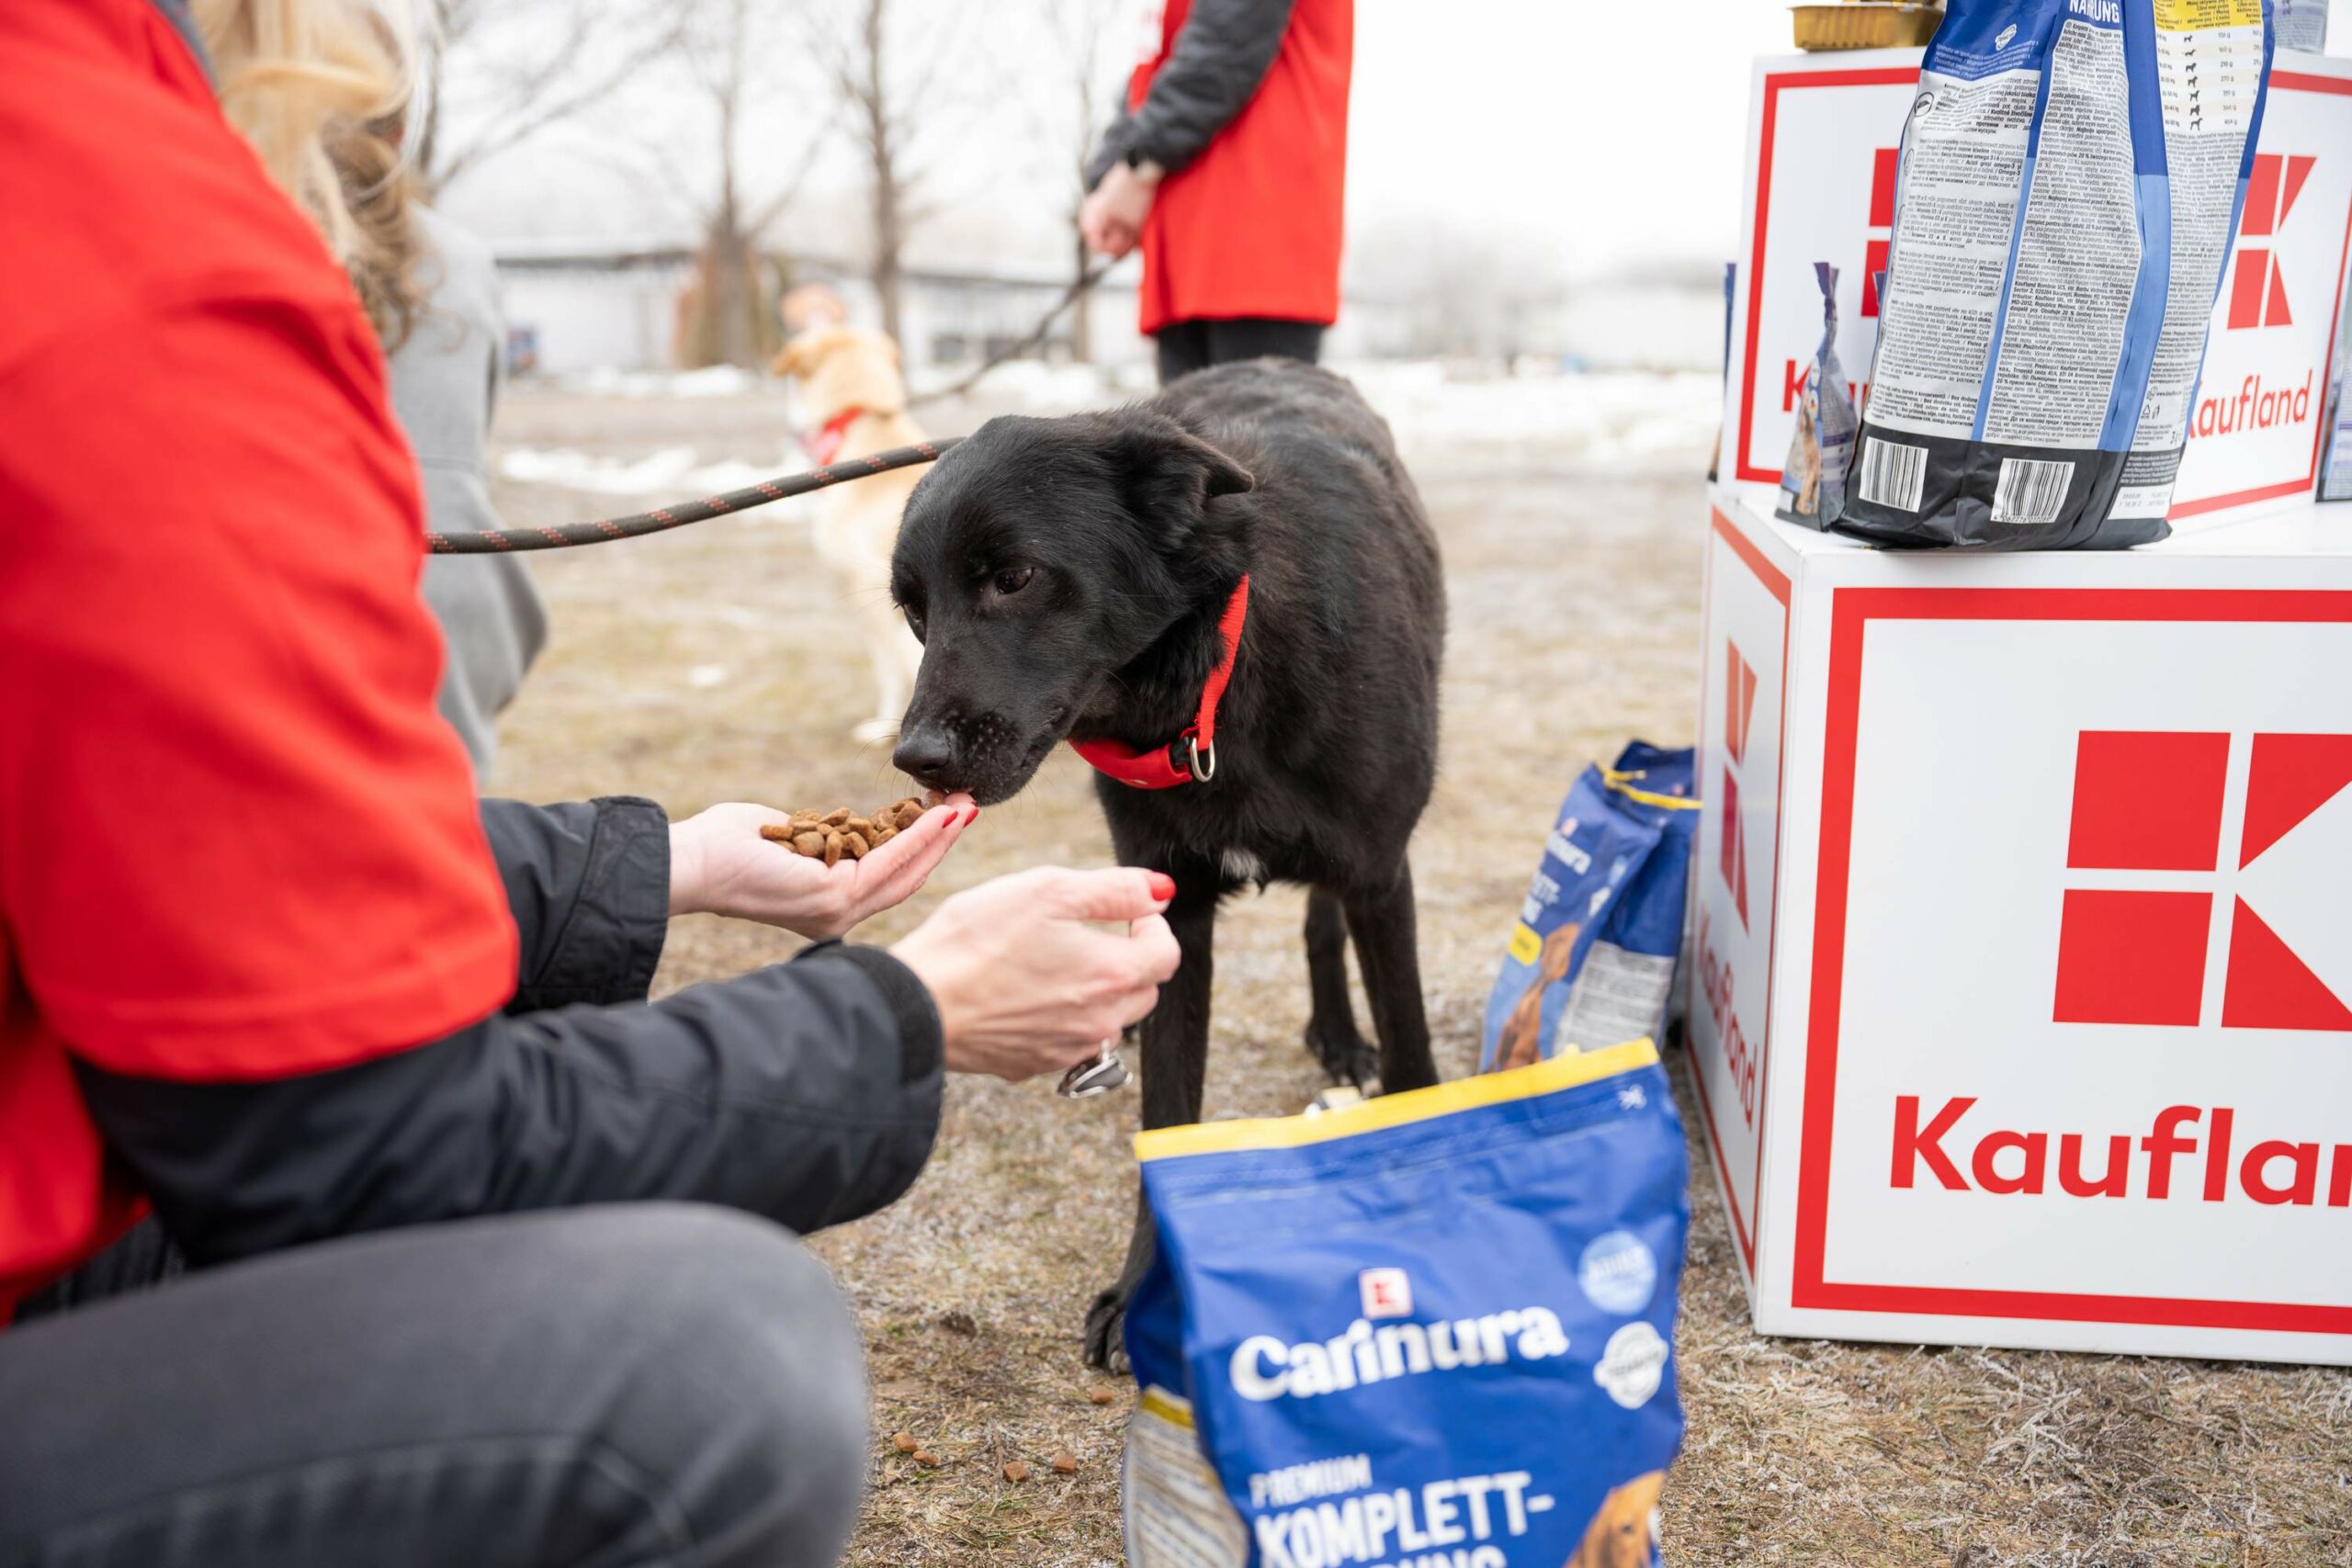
x,y
589,883
808,1092
1221,55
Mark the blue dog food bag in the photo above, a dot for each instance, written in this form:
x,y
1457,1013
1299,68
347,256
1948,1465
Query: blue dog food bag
x,y
1813,478
1592,960
1431,1330
2068,186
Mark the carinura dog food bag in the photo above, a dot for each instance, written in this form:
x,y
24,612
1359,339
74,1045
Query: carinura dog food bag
x,y
2067,190
1591,959
1430,1330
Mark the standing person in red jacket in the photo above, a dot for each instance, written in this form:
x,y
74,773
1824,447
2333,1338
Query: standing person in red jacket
x,y
1228,165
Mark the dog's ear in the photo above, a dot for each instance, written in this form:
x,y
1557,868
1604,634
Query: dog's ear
x,y
797,358
1167,473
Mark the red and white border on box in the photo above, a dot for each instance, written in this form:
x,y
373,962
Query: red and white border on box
x,y
1901,734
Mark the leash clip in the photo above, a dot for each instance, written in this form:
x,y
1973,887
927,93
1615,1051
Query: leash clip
x,y
1100,1076
1202,773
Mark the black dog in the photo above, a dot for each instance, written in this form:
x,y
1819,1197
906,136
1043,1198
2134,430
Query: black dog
x,y
1067,578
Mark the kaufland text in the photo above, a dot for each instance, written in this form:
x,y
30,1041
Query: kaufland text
x,y
2188,1153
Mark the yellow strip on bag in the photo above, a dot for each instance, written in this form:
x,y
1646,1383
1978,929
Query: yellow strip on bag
x,y
1395,1110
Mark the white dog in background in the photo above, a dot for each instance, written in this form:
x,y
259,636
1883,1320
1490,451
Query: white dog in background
x,y
851,393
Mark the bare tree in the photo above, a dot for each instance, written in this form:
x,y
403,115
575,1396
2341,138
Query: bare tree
x,y
888,79
731,54
498,72
1081,28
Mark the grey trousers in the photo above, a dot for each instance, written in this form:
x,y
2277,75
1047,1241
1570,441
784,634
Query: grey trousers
x,y
648,1383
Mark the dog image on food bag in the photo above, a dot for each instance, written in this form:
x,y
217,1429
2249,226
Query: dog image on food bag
x,y
849,386
1623,1534
1522,1036
1086,579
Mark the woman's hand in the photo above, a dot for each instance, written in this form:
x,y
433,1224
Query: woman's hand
x,y
721,865
1111,218
1026,980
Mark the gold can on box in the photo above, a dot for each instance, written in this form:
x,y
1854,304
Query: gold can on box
x,y
1865,24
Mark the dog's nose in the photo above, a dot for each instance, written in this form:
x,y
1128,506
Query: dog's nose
x,y
924,754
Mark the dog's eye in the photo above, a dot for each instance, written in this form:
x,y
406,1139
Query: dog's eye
x,y
914,621
1013,579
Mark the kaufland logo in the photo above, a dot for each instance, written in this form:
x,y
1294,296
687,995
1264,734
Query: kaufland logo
x,y
1882,229
1739,710
2206,882
2257,291
1387,1292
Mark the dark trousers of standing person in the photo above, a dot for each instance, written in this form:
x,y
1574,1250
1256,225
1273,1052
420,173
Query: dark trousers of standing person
x,y
1187,346
623,1387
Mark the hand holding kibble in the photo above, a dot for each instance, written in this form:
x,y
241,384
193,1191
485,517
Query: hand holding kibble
x,y
839,834
724,861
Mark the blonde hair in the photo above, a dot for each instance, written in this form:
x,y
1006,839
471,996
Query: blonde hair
x,y
321,90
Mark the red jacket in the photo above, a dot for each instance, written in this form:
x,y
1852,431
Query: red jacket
x,y
1252,226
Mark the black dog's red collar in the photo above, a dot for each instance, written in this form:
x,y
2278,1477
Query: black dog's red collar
x,y
825,445
1191,755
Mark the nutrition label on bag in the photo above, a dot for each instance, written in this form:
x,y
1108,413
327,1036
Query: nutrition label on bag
x,y
2078,256
2209,71
1965,159
1177,1514
1619,995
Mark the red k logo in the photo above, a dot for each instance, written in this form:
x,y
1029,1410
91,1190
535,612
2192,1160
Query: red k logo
x,y
1883,169
2257,294
2151,811
1739,708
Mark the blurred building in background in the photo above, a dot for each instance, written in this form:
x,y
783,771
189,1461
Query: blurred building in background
x,y
575,305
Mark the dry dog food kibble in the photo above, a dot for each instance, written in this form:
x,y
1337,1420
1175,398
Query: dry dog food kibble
x,y
839,834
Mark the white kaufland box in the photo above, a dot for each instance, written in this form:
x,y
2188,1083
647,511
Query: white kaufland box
x,y
2021,1000
1822,136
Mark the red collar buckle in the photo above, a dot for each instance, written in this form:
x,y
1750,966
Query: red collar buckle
x,y
1191,758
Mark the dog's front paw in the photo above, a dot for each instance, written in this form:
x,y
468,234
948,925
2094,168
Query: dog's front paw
x,y
873,731
1345,1056
1106,1332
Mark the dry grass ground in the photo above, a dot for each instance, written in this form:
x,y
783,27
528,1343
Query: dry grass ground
x,y
713,665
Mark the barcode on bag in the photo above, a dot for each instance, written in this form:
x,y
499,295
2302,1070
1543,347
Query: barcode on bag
x,y
2028,491
1893,474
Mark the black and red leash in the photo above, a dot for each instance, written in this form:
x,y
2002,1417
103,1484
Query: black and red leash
x,y
562,536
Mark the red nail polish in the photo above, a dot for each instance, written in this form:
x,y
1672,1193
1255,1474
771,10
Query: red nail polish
x,y
1163,886
971,815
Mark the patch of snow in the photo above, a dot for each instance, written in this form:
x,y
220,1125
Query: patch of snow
x,y
671,471
1594,417
1600,417
1544,412
716,381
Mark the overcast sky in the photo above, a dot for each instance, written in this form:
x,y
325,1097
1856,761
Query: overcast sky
x,y
1611,134
1616,129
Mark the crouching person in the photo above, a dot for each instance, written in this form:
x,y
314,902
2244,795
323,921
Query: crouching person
x,y
356,1205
